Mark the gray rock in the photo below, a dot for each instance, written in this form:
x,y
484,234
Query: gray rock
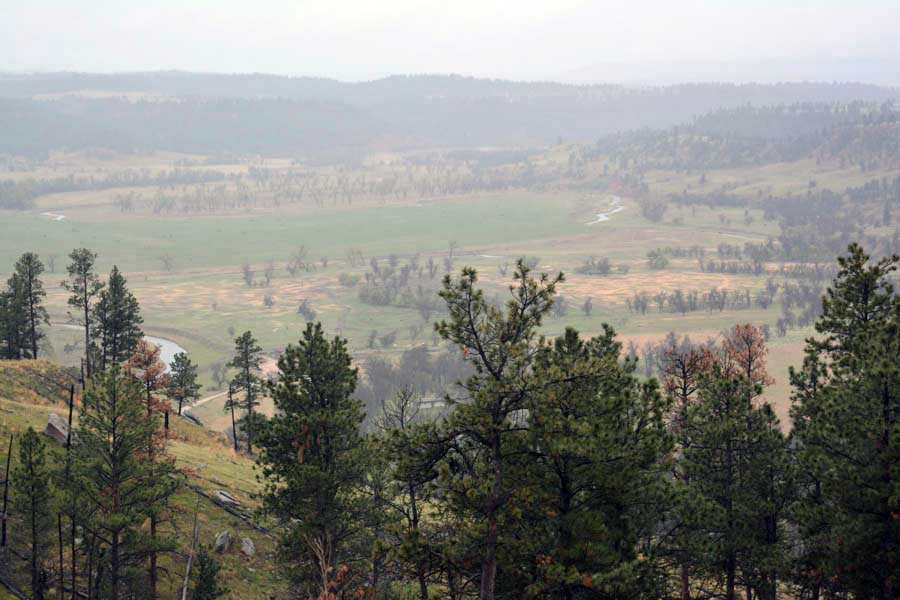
x,y
223,541
247,547
225,499
57,428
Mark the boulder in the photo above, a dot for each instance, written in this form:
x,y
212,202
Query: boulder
x,y
247,547
57,428
223,541
225,499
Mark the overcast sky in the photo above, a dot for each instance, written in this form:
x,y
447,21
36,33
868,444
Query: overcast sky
x,y
524,39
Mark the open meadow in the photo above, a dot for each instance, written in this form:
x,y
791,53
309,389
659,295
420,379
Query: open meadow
x,y
213,250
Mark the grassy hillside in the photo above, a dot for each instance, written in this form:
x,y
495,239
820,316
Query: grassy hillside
x,y
30,391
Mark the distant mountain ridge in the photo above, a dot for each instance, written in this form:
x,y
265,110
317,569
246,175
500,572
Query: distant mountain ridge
x,y
310,117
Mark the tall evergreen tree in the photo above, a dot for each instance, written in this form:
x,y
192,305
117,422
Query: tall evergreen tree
x,y
31,500
731,451
598,440
313,461
117,482
247,360
846,407
486,439
117,321
84,286
29,269
183,386
13,319
151,372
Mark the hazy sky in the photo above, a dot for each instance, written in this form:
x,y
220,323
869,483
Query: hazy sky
x,y
357,39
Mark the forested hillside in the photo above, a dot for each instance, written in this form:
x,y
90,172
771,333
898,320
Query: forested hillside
x,y
305,117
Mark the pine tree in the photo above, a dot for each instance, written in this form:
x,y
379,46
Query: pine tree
x,y
313,461
486,442
206,579
146,366
247,360
29,269
117,321
85,286
410,461
183,386
13,319
845,408
118,485
598,482
31,500
735,461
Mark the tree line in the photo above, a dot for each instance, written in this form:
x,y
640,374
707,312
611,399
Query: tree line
x,y
556,472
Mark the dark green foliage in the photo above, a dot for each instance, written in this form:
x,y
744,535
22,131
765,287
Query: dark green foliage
x,y
118,485
22,311
13,320
246,360
845,411
736,470
206,584
28,272
84,286
597,483
485,436
183,386
32,504
117,322
313,461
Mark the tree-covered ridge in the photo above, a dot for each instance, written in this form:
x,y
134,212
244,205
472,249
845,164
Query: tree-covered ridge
x,y
856,133
209,114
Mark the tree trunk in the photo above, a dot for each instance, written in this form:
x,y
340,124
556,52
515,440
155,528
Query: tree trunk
x,y
729,578
6,492
87,329
32,318
414,526
685,582
36,583
247,384
114,567
62,569
489,562
153,574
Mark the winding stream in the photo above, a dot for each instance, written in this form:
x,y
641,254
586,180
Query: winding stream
x,y
167,348
615,205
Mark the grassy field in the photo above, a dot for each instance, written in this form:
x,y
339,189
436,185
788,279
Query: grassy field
x,y
202,301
